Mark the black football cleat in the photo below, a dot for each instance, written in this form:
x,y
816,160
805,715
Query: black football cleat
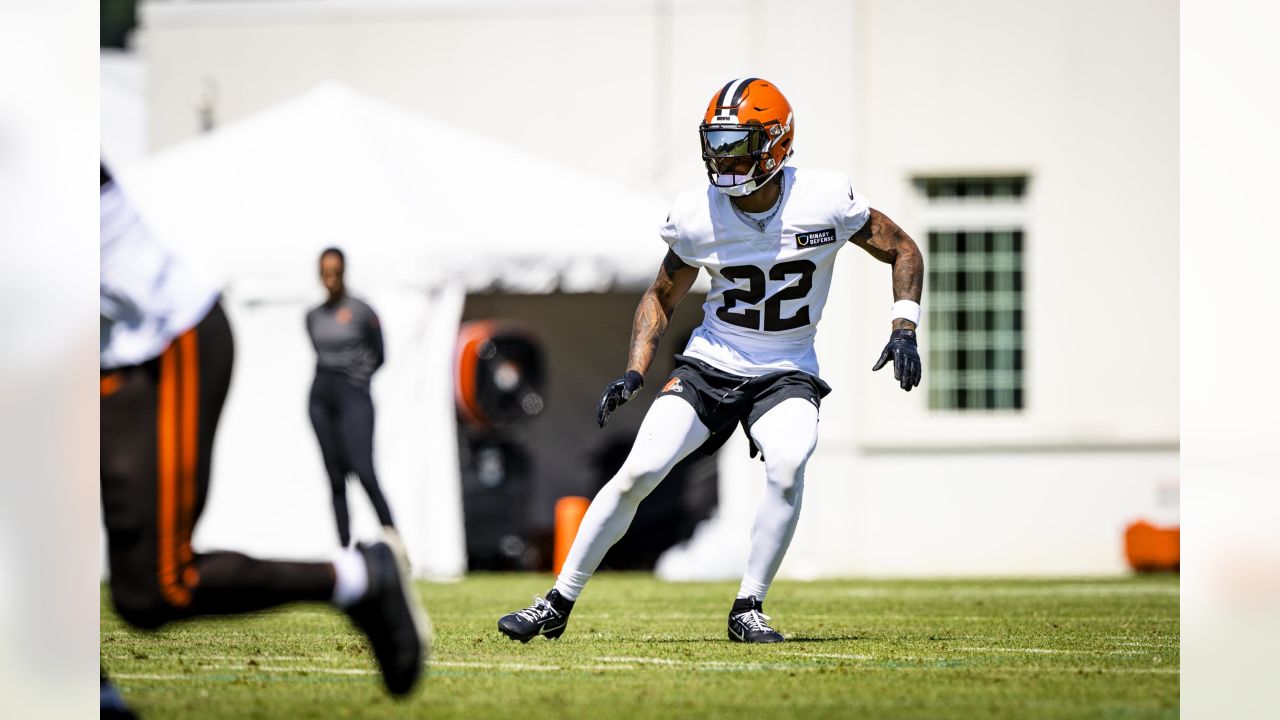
x,y
547,617
748,623
391,615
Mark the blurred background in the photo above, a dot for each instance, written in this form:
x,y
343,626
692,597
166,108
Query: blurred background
x,y
499,169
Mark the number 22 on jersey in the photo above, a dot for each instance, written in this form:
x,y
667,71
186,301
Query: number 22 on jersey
x,y
753,291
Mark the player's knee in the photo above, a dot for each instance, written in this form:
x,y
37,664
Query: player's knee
x,y
785,466
635,483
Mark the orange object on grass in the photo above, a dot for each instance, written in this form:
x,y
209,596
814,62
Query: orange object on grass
x,y
569,512
1149,548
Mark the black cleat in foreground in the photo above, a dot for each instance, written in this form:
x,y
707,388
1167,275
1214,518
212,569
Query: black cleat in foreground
x,y
544,617
391,615
748,623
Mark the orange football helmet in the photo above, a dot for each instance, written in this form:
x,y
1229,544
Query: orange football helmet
x,y
747,118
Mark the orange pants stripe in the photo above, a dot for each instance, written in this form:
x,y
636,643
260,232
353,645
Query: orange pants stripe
x,y
177,447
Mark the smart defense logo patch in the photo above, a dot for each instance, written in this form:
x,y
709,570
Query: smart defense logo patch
x,y
815,238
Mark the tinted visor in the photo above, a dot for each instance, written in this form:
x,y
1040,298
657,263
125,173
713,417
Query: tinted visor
x,y
730,142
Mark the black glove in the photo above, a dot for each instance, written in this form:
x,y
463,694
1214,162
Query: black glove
x,y
617,393
906,361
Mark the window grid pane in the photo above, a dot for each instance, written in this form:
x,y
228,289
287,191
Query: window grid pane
x,y
964,188
975,312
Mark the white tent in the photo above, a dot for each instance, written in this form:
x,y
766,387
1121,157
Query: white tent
x,y
424,212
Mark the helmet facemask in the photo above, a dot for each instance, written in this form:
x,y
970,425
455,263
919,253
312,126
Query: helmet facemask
x,y
753,142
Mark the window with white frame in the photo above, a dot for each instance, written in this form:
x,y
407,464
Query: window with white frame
x,y
975,313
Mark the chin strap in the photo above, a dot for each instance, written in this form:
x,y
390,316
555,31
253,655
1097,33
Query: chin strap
x,y
750,185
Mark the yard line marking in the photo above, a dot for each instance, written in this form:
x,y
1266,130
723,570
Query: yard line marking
x,y
830,655
1078,589
1105,671
318,671
496,666
1051,651
242,669
650,661
199,658
525,666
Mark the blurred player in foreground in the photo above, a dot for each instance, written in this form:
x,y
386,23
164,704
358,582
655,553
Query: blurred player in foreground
x,y
348,340
166,357
768,235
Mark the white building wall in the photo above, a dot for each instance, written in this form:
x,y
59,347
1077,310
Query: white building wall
x,y
1081,96
613,87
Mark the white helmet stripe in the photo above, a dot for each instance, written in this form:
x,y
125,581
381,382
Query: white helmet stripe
x,y
731,96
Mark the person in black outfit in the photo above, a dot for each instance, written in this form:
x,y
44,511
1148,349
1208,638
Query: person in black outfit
x,y
348,342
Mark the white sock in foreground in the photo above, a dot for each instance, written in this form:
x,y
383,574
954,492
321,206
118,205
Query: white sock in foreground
x,y
670,431
351,577
786,435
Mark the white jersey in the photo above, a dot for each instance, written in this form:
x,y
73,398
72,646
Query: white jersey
x,y
147,296
768,287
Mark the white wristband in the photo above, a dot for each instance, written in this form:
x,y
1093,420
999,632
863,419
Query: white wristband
x,y
907,310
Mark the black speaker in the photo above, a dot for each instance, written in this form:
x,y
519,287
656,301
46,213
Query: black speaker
x,y
499,376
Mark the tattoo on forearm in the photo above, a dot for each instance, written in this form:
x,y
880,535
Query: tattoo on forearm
x,y
888,243
908,271
646,332
653,315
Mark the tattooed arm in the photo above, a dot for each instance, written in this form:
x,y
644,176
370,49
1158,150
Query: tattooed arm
x,y
654,312
886,242
652,317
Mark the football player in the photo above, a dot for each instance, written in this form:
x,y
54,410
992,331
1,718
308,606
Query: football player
x,y
768,234
166,356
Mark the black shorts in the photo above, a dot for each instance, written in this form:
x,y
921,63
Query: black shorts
x,y
723,400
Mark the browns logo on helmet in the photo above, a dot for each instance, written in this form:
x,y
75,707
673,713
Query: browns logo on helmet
x,y
748,119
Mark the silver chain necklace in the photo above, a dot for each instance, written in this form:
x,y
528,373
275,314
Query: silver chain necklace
x,y
762,223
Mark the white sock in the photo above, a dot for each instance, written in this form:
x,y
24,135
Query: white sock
x,y
352,577
670,431
786,435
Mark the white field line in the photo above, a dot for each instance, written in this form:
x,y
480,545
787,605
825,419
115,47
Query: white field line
x,y
830,655
223,658
641,660
1051,651
205,664
745,666
496,666
1090,671
242,669
1072,590
318,671
1156,645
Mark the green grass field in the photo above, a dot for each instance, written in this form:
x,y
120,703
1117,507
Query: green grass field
x,y
640,648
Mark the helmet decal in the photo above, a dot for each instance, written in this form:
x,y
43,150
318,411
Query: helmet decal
x,y
730,98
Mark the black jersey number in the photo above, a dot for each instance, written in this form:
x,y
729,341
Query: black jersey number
x,y
754,291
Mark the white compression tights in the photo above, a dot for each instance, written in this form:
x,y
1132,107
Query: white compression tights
x,y
786,435
670,431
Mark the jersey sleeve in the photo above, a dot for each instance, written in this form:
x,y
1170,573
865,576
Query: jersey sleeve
x,y
670,232
853,212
